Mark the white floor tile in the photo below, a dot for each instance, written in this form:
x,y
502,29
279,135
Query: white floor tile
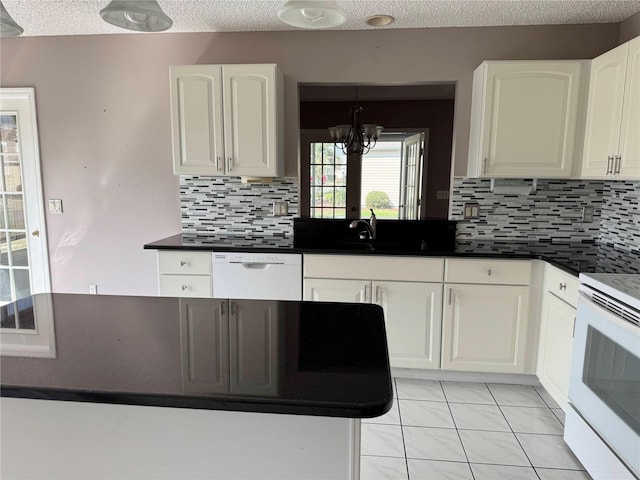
x,y
516,395
532,420
381,440
551,403
383,468
463,392
553,474
438,470
413,389
433,444
559,413
392,417
495,472
548,451
478,417
493,447
422,413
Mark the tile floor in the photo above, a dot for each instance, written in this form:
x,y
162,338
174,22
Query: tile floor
x,y
467,431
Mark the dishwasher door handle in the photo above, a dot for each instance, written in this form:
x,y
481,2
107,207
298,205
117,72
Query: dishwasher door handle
x,y
255,265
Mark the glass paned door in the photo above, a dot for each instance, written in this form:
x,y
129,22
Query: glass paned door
x,y
411,178
327,181
24,265
14,262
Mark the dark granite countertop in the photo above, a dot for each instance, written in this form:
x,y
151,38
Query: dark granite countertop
x,y
572,257
325,359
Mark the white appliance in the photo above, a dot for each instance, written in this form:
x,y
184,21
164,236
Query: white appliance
x,y
261,276
602,426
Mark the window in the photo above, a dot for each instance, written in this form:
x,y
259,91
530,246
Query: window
x,y
327,181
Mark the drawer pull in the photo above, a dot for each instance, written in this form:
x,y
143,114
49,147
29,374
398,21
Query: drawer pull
x,y
563,286
616,165
183,263
609,165
489,272
185,287
450,293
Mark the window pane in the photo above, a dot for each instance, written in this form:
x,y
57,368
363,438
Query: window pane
x,y
11,173
2,225
15,211
7,312
340,213
18,247
5,285
21,277
316,175
4,250
327,176
341,175
340,199
8,133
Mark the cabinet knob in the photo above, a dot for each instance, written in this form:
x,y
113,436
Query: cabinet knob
x,y
563,286
36,233
183,263
185,287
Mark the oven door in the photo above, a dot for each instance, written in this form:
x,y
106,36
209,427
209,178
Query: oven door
x,y
605,378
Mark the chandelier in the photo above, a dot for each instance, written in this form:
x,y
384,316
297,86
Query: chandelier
x,y
355,139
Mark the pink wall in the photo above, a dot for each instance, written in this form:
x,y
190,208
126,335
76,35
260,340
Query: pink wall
x,y
103,113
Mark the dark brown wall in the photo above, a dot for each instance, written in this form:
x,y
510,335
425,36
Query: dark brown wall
x,y
434,115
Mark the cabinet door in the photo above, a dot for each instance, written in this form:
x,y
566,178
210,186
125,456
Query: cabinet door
x,y
604,112
629,149
329,290
556,346
251,119
196,119
204,345
530,118
484,328
253,340
413,317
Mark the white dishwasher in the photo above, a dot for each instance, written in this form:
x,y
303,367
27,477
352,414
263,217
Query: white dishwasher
x,y
263,276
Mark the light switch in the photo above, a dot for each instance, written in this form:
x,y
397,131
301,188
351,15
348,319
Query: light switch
x,y
471,210
55,206
280,208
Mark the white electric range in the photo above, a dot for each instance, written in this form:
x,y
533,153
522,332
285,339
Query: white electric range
x,y
602,427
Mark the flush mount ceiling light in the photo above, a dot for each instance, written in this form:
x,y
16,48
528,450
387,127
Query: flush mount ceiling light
x,y
314,14
138,15
379,20
8,26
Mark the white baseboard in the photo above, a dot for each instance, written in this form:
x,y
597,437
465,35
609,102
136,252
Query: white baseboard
x,y
451,376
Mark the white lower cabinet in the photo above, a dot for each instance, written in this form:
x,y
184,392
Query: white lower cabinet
x,y
184,274
412,312
413,320
485,328
555,348
337,290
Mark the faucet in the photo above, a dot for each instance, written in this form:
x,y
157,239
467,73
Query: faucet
x,y
370,227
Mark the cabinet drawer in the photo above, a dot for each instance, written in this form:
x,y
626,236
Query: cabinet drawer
x,y
488,272
184,262
185,286
373,267
562,284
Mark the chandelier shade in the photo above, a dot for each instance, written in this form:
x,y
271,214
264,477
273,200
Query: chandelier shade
x,y
356,138
8,26
137,15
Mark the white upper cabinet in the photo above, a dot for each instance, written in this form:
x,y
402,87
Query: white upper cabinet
x,y
612,138
524,118
227,120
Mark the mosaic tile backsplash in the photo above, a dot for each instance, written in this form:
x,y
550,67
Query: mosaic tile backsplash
x,y
553,212
620,225
225,206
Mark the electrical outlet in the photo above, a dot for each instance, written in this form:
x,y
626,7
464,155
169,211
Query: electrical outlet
x,y
442,195
587,214
93,289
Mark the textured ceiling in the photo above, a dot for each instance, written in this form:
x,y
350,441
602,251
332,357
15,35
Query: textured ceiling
x,y
80,17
